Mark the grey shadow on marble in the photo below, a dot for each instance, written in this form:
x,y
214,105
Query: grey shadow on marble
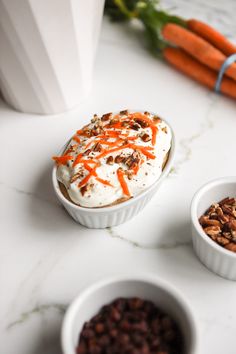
x,y
183,259
45,212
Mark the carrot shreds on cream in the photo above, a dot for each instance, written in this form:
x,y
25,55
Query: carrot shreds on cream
x,y
77,139
143,149
62,160
120,176
103,181
118,150
104,153
77,160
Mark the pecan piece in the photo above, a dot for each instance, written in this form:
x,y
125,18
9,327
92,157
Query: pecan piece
x,y
231,247
87,152
212,230
141,122
223,241
145,137
84,189
124,112
79,174
119,159
106,116
135,126
110,160
97,147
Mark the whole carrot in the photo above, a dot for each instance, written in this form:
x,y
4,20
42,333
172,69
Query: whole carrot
x,y
197,47
212,36
199,72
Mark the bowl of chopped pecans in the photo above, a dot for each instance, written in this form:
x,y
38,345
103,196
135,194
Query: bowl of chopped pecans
x,y
129,314
213,216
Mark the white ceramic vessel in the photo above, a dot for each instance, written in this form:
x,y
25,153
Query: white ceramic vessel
x,y
216,258
89,302
47,52
100,218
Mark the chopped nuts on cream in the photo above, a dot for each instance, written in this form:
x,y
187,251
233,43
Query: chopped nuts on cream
x,y
115,156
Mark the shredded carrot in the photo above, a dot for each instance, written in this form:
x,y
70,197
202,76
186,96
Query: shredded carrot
x,y
144,150
85,180
120,175
70,149
106,152
77,139
62,160
86,146
135,169
152,125
107,183
77,160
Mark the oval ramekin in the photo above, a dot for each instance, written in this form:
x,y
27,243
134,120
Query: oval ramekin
x,y
100,218
148,287
216,258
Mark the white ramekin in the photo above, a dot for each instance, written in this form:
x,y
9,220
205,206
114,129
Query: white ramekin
x,y
100,218
216,258
89,302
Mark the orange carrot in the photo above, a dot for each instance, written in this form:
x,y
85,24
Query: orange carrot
x,y
107,183
197,47
85,180
212,36
77,160
120,175
106,152
77,139
199,72
62,160
144,150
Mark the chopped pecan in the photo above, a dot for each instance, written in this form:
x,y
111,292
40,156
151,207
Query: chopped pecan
x,y
141,122
145,137
157,119
87,152
219,223
135,126
110,160
212,230
231,246
119,159
79,174
84,189
124,112
97,147
222,240
164,129
106,116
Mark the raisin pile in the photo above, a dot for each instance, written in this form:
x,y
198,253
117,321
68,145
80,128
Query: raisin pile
x,y
130,326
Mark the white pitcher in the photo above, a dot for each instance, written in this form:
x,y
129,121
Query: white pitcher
x,y
47,52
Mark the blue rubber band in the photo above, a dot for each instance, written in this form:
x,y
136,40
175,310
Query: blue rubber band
x,y
230,60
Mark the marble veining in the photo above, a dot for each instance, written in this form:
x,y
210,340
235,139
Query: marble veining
x,y
38,310
159,246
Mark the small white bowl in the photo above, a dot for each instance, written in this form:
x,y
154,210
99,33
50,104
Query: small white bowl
x,y
100,218
89,302
216,258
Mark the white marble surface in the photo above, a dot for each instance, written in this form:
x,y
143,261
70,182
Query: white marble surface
x,y
46,258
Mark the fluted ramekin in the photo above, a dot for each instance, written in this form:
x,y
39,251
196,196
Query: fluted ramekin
x,y
90,301
216,258
100,218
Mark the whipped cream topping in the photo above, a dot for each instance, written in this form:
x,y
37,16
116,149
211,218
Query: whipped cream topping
x,y
113,158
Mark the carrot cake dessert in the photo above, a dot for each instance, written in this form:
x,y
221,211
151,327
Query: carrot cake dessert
x,y
113,158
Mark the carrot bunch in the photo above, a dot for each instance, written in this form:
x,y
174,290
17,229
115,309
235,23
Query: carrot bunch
x,y
191,46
